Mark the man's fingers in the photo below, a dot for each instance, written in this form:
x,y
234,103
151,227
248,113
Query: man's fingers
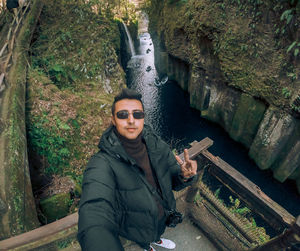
x,y
185,168
188,167
186,155
179,160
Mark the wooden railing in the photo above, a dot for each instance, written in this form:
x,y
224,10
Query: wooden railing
x,y
7,49
271,212
43,236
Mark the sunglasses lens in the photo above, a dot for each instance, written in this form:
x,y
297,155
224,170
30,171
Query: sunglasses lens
x,y
125,114
138,115
122,114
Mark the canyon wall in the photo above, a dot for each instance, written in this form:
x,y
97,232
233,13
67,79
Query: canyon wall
x,y
17,205
255,115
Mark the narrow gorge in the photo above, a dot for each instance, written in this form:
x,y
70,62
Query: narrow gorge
x,y
206,48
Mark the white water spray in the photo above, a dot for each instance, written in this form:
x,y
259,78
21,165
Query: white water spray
x,y
131,46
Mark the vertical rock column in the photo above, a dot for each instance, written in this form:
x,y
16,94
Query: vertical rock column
x,y
246,120
277,146
17,206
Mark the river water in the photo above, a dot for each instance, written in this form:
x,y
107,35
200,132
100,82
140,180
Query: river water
x,y
168,112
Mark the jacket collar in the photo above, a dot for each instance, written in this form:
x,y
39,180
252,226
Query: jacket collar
x,y
111,144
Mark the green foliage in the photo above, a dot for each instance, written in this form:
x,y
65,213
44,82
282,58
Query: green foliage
x,y
49,143
235,202
178,2
296,108
286,92
235,207
64,244
217,193
296,46
198,197
287,15
174,151
292,75
243,211
71,41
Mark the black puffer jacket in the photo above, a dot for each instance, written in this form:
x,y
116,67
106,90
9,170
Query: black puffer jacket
x,y
10,4
115,201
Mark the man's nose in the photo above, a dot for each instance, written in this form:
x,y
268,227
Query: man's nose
x,y
130,118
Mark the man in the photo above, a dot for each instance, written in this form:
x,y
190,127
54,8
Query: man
x,y
12,4
127,185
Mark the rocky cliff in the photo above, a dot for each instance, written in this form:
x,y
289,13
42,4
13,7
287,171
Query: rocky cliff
x,y
17,206
238,63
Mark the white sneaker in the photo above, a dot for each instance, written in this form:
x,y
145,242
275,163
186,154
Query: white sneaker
x,y
152,249
165,243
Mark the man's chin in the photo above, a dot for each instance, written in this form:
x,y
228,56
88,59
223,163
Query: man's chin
x,y
131,136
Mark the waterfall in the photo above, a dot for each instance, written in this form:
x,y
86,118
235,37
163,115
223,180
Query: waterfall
x,y
131,46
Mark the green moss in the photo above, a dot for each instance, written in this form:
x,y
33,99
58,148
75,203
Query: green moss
x,y
16,151
20,218
64,243
50,142
74,76
240,35
56,207
246,119
75,44
22,215
77,190
29,24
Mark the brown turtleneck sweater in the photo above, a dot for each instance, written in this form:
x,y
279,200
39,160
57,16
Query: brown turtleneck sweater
x,y
137,149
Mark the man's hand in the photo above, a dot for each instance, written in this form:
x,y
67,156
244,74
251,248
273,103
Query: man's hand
x,y
188,167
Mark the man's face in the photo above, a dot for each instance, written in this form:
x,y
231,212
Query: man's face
x,y
129,127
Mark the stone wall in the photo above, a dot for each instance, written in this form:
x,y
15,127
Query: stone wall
x,y
17,206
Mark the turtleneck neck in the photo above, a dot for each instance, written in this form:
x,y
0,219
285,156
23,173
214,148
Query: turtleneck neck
x,y
131,145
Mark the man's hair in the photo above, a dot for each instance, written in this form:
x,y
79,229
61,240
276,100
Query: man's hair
x,y
126,94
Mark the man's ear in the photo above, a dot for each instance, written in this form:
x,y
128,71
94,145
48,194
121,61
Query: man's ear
x,y
113,120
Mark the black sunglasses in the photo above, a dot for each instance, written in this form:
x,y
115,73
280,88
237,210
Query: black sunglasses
x,y
124,114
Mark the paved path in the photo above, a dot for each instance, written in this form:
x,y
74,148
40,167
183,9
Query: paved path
x,y
186,235
187,238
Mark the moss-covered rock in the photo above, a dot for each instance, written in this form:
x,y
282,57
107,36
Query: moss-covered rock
x,y
77,190
238,40
274,138
18,212
290,165
216,102
246,119
56,206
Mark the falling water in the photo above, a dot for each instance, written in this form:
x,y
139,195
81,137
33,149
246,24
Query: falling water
x,y
132,51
